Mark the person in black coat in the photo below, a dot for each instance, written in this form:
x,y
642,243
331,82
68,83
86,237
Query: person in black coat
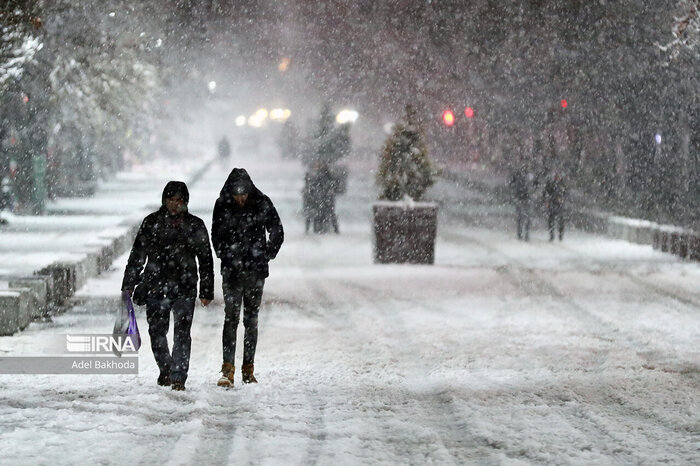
x,y
247,233
523,184
168,243
323,193
554,194
308,204
224,148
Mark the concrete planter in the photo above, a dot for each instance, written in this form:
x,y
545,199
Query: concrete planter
x,y
405,232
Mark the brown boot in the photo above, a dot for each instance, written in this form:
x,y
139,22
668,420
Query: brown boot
x,y
247,372
226,380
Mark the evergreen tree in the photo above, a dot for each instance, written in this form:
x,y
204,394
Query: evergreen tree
x,y
18,45
405,168
20,97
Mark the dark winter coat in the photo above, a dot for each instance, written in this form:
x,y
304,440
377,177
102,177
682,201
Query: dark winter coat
x,y
224,148
523,185
308,204
240,234
554,194
168,246
323,191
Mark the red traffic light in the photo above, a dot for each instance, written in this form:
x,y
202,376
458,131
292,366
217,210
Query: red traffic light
x,y
564,103
25,98
469,112
448,117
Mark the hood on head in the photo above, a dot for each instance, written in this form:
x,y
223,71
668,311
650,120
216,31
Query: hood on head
x,y
175,188
238,182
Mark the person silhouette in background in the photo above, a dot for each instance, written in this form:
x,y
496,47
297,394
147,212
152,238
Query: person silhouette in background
x,y
224,148
554,195
523,183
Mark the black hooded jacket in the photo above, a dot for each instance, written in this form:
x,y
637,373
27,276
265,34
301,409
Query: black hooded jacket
x,y
554,194
240,234
170,244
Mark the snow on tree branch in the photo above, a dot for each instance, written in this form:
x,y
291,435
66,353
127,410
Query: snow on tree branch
x,y
16,50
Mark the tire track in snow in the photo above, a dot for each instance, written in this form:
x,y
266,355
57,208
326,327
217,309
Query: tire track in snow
x,y
221,439
529,281
312,308
231,429
446,419
678,295
645,350
323,298
463,443
603,330
217,433
315,446
182,407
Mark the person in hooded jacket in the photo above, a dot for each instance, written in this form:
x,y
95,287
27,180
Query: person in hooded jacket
x,y
554,196
323,192
168,242
247,233
523,183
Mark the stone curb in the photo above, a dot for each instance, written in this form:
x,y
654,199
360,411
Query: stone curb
x,y
671,239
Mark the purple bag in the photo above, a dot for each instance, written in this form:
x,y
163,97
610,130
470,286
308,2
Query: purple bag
x,y
126,322
133,328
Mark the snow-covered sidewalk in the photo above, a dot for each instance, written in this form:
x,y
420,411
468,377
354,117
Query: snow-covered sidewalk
x,y
45,259
503,352
29,243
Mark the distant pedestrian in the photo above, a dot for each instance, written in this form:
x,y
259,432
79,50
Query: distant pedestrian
x,y
309,206
247,233
168,243
224,148
554,195
523,184
324,188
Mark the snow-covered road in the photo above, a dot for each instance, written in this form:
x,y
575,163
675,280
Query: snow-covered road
x,y
503,352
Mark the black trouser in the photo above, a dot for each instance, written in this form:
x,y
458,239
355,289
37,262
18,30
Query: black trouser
x,y
555,216
248,291
158,316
